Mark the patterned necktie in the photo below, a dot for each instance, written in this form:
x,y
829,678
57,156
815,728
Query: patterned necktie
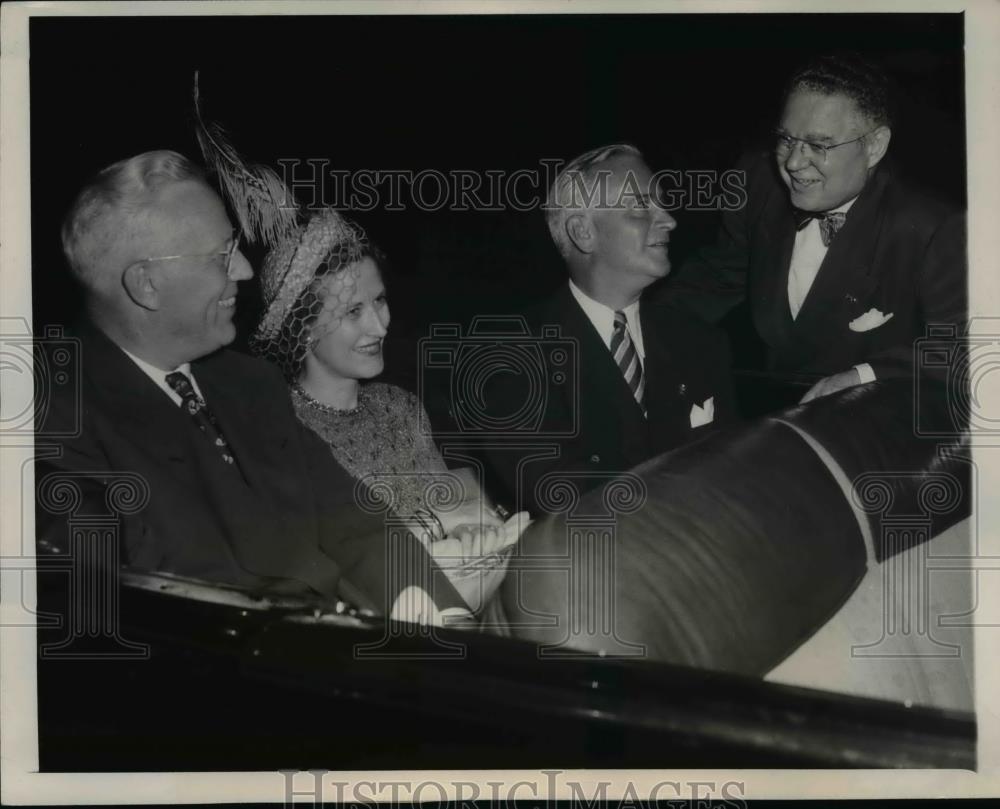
x,y
199,412
829,223
627,358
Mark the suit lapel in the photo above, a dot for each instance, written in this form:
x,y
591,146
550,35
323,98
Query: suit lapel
x,y
250,515
142,412
257,428
147,418
771,255
661,366
238,413
847,273
602,385
677,380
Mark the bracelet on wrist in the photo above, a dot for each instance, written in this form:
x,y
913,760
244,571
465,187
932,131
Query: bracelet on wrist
x,y
429,520
426,530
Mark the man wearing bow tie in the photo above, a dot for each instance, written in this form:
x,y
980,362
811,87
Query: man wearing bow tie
x,y
647,377
844,266
240,493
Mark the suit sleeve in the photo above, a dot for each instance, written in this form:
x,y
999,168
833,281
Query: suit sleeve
x,y
726,408
517,465
77,459
75,486
570,463
70,457
943,298
713,281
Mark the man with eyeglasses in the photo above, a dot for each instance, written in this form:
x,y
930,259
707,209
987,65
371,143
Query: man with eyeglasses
x,y
843,265
239,492
644,378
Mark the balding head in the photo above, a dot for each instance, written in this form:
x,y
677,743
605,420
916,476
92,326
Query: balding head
x,y
106,225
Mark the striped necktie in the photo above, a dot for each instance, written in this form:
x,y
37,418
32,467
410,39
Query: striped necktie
x,y
623,350
195,407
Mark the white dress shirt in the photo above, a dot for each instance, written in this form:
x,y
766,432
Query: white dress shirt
x,y
807,256
160,377
603,318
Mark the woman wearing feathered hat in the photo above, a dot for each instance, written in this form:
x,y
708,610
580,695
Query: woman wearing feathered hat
x,y
326,316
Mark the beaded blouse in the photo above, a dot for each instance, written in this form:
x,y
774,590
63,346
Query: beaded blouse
x,y
381,436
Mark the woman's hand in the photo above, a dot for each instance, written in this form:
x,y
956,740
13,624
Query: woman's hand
x,y
470,513
457,554
470,541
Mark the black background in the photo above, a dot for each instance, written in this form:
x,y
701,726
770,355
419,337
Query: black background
x,y
457,92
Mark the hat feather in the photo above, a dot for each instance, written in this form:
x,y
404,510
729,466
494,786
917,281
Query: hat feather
x,y
265,206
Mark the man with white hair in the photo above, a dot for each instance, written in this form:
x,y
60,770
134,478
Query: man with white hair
x,y
648,378
239,492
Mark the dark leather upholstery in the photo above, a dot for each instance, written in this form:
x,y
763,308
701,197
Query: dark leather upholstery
x,y
906,453
730,552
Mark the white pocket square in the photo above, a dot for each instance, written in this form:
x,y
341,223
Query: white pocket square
x,y
704,413
871,319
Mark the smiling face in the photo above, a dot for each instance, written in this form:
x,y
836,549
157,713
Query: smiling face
x,y
196,299
822,185
632,232
352,348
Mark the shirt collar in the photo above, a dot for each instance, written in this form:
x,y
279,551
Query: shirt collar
x,y
845,207
159,376
603,318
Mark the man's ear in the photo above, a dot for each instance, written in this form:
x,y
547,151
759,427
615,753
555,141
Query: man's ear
x,y
877,144
141,285
580,232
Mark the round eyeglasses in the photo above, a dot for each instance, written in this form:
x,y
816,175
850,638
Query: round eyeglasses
x,y
817,152
227,254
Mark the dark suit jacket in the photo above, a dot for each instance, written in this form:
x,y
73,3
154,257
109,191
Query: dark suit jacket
x,y
284,519
899,252
592,424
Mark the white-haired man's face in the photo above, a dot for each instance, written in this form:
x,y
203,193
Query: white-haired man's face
x,y
632,232
194,296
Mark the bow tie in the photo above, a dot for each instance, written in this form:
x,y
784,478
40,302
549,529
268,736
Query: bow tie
x,y
829,223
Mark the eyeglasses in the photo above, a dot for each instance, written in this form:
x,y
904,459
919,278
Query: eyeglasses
x,y
228,253
783,144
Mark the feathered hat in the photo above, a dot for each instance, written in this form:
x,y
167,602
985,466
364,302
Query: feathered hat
x,y
301,248
265,206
